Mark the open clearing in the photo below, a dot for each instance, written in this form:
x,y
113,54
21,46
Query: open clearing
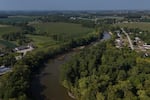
x,y
42,41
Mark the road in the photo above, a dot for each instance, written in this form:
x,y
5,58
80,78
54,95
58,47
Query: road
x,y
129,39
4,70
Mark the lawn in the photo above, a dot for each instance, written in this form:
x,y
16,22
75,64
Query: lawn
x,y
58,28
140,25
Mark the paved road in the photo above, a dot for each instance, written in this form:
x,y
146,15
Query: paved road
x,y
129,39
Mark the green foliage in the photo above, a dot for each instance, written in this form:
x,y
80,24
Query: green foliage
x,y
141,25
106,73
7,60
7,29
13,36
16,20
137,32
16,83
17,36
7,44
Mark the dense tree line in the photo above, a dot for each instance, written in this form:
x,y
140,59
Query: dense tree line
x,y
27,29
16,84
3,16
106,73
7,60
13,36
16,36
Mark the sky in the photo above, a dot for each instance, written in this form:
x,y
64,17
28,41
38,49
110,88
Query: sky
x,y
74,4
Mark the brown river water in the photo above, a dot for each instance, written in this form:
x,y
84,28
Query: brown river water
x,y
46,85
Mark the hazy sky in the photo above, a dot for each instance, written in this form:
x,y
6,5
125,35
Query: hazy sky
x,y
74,4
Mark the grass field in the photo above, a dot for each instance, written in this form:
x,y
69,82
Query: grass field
x,y
58,28
7,29
4,43
63,30
140,25
42,41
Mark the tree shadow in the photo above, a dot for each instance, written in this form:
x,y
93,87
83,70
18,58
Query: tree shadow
x,y
37,88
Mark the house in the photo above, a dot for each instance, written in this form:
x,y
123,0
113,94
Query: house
x,y
24,49
119,43
137,40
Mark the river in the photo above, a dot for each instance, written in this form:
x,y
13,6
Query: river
x,y
46,85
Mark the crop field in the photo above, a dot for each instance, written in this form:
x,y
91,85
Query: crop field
x,y
7,29
140,25
64,31
58,28
46,33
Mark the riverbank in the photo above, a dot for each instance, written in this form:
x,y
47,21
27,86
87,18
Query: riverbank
x,y
71,95
47,85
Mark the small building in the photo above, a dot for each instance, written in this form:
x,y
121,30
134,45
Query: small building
x,y
24,49
73,18
137,39
119,43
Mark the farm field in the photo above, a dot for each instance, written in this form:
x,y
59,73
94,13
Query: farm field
x,y
64,31
47,34
140,25
7,29
58,28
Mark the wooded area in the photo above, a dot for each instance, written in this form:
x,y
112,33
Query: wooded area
x,y
106,73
